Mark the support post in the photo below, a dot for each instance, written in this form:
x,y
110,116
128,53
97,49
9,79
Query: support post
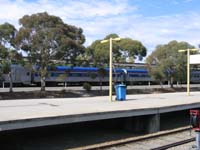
x,y
197,140
188,72
135,124
153,123
143,124
110,65
110,74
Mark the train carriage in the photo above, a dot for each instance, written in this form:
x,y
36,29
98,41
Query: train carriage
x,y
20,75
79,75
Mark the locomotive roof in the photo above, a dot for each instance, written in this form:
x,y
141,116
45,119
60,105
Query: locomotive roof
x,y
64,68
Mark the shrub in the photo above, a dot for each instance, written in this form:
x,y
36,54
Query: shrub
x,y
43,94
93,75
87,86
63,91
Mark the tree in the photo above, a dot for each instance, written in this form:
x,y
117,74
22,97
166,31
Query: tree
x,y
133,48
123,49
3,52
45,37
166,63
101,73
7,36
8,53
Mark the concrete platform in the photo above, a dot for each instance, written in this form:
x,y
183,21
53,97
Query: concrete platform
x,y
18,114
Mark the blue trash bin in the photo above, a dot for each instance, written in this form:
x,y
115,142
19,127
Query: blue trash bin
x,y
120,92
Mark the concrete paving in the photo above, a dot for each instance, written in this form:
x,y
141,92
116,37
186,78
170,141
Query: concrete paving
x,y
17,114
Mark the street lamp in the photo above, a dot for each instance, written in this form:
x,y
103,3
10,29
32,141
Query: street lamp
x,y
110,64
188,66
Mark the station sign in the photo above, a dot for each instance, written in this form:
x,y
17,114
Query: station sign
x,y
195,59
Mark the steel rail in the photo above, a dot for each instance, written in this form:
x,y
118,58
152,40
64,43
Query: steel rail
x,y
130,139
174,144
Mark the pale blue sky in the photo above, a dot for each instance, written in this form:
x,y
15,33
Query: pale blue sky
x,y
152,22
165,7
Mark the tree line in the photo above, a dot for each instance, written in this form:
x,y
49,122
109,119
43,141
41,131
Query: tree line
x,y
166,63
46,39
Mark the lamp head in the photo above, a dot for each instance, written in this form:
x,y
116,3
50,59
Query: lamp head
x,y
104,41
116,39
182,50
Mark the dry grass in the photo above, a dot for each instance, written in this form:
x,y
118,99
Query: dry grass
x,y
67,94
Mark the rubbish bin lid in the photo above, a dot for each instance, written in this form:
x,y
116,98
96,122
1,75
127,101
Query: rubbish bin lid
x,y
120,85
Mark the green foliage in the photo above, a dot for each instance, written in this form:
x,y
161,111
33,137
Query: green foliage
x,y
133,47
52,67
123,49
102,73
7,44
166,63
93,75
3,52
45,37
87,86
82,60
112,35
98,53
15,57
8,53
7,34
5,67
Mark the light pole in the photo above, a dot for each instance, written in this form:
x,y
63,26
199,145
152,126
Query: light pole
x,y
110,65
188,66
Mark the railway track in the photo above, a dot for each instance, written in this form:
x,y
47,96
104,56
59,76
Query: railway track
x,y
171,145
156,141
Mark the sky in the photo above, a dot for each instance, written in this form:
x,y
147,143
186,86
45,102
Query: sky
x,y
152,22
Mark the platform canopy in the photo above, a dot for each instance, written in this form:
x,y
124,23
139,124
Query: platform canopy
x,y
195,59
